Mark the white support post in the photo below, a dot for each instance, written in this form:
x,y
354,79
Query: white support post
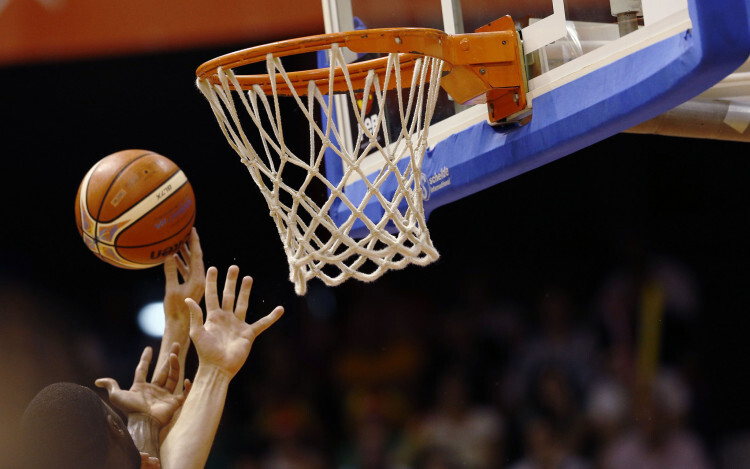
x,y
453,17
453,23
338,16
547,30
656,10
624,6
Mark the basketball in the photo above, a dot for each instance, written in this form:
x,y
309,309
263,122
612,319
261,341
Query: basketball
x,y
134,208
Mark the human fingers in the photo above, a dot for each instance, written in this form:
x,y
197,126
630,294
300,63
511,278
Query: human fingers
x,y
107,383
197,279
182,266
196,252
212,296
185,248
149,462
165,370
170,272
141,371
174,373
196,317
197,271
230,284
265,322
187,385
244,298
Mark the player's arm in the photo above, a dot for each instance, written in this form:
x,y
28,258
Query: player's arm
x,y
223,344
149,406
185,278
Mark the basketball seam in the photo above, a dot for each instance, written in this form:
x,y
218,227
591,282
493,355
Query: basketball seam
x,y
121,259
145,196
115,246
85,192
117,236
83,207
104,197
192,218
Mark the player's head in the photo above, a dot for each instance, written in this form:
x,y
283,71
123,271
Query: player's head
x,y
68,426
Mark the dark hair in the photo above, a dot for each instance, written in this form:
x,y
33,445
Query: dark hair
x,y
65,426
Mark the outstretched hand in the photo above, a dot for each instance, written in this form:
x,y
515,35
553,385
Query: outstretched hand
x,y
155,398
185,278
224,341
223,344
190,268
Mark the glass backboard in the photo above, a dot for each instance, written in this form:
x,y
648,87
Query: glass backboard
x,y
595,68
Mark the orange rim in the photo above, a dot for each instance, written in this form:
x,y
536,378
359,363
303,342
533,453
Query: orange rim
x,y
411,43
481,67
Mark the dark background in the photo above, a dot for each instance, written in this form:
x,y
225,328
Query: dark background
x,y
569,222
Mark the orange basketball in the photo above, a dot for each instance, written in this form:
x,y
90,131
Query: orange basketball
x,y
134,208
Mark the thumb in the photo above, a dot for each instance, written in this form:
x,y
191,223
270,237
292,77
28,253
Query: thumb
x,y
107,383
265,322
196,316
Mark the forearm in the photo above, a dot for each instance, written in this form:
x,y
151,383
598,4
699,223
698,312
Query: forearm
x,y
176,330
190,439
144,429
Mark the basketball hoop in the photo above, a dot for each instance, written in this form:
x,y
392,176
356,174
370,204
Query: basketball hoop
x,y
335,237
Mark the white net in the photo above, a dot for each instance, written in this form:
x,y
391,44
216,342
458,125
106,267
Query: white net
x,y
361,222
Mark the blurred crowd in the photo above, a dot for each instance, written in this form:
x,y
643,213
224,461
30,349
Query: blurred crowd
x,y
480,381
443,375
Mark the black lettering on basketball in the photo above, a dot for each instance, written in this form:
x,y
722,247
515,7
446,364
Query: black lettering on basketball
x,y
166,251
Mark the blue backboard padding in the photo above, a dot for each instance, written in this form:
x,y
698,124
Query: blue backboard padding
x,y
373,209
333,168
591,108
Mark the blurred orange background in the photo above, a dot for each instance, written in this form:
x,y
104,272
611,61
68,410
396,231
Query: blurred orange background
x,y
40,30
51,30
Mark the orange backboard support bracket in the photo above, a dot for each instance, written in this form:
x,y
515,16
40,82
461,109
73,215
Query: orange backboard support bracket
x,y
490,68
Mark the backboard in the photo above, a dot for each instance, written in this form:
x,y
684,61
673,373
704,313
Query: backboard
x,y
588,77
558,76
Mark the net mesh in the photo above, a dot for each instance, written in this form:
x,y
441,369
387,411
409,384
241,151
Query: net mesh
x,y
360,221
